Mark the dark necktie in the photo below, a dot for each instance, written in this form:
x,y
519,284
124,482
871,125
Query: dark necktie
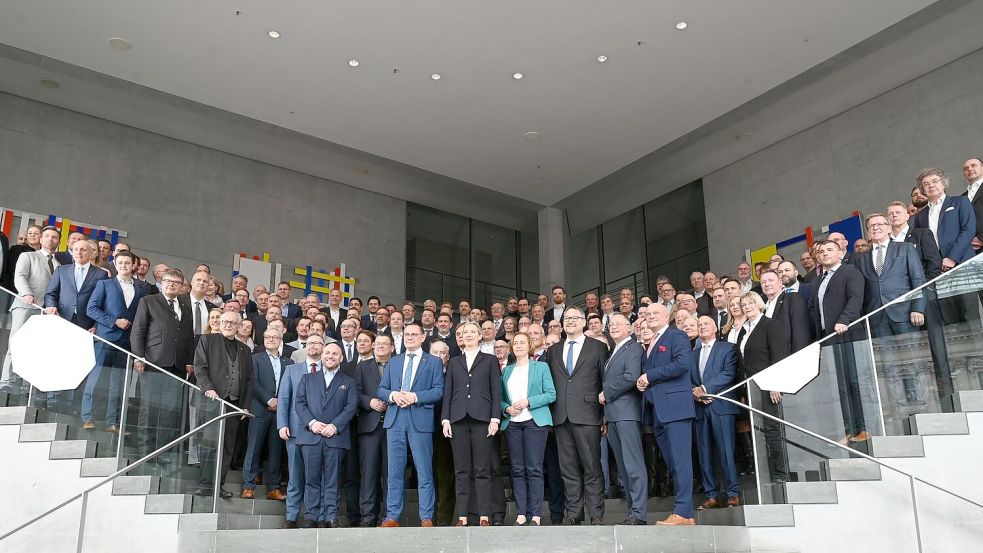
x,y
313,368
349,356
170,304
51,266
570,345
879,260
197,317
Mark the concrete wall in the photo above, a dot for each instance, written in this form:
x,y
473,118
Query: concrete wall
x,y
183,204
860,160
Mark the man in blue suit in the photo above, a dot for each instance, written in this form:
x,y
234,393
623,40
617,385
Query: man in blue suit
x,y
268,366
712,369
288,424
72,285
412,384
623,412
667,373
113,305
951,218
326,404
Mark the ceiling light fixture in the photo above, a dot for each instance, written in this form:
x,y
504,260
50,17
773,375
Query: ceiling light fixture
x,y
274,34
681,25
517,76
531,135
48,83
602,59
119,44
361,172
435,76
353,63
743,136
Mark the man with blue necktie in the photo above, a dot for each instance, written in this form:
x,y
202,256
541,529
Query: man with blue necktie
x,y
326,404
412,384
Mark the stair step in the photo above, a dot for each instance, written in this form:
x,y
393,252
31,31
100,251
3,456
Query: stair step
x,y
936,424
896,446
99,467
964,401
18,415
72,449
237,505
809,492
42,432
167,503
843,470
210,522
762,516
136,485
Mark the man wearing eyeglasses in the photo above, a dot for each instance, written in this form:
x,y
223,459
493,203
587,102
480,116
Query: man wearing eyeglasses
x,y
162,335
950,218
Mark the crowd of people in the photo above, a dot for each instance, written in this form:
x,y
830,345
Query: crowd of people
x,y
593,402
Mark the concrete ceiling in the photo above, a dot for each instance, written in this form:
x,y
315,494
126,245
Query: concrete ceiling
x,y
463,133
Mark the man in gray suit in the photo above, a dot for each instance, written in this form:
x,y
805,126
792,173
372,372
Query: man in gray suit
x,y
623,410
31,277
890,269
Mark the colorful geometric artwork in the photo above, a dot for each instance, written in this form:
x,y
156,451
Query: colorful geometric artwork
x,y
258,268
852,228
64,224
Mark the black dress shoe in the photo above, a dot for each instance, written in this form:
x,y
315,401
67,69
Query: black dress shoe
x,y
203,491
224,494
596,521
367,523
556,520
323,524
289,524
308,523
333,524
498,521
532,523
632,521
569,521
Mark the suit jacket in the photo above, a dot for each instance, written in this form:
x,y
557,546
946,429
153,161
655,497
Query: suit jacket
x,y
451,342
250,309
332,404
64,258
265,385
704,305
810,276
4,248
548,315
62,293
842,303
149,288
367,379
428,385
476,393
540,393
213,368
293,311
792,311
286,410
667,369
159,337
902,273
31,276
368,322
576,394
107,305
719,374
977,204
928,250
957,227
765,346
720,324
622,400
11,255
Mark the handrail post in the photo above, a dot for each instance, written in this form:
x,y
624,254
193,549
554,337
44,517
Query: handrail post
x,y
124,405
219,444
914,508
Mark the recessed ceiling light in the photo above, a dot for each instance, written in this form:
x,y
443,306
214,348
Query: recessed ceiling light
x,y
435,76
353,63
743,136
119,44
602,59
48,83
517,76
531,135
681,25
361,172
274,34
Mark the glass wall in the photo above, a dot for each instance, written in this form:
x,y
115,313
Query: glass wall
x,y
676,235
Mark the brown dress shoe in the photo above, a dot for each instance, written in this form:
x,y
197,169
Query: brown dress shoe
x,y
733,501
861,436
676,520
248,494
484,522
88,425
276,495
426,523
390,523
710,503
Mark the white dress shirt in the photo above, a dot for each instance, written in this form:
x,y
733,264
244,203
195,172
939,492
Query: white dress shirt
x,y
735,331
973,188
558,312
518,387
487,347
900,236
822,293
275,361
128,291
469,357
409,365
770,307
578,345
749,325
934,214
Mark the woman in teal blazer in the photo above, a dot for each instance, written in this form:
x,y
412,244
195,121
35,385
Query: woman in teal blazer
x,y
527,392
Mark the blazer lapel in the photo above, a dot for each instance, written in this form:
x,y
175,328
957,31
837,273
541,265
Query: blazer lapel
x,y
890,256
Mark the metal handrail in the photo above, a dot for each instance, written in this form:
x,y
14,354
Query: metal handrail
x,y
127,352
85,493
911,477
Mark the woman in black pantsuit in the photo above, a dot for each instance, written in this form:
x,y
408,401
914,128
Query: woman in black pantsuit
x,y
472,410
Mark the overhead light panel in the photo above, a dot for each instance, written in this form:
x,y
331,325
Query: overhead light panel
x,y
435,76
274,34
517,76
353,63
119,44
602,59
681,25
531,135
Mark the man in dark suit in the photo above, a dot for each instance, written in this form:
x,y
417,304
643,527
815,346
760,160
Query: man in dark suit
x,y
445,334
788,308
163,336
666,371
412,384
200,307
712,369
973,172
326,404
268,368
555,312
836,303
71,286
224,371
368,316
335,312
577,366
623,412
113,307
719,313
950,218
371,432
289,310
65,257
239,282
791,283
